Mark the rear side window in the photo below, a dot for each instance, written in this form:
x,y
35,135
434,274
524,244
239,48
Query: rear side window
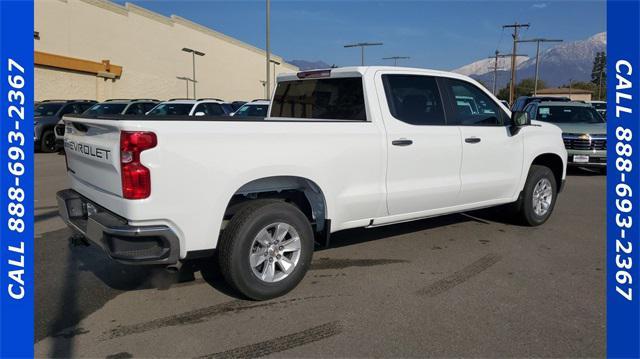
x,y
472,107
326,99
171,109
210,109
139,108
414,99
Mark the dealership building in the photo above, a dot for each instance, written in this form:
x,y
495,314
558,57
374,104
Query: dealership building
x,y
96,49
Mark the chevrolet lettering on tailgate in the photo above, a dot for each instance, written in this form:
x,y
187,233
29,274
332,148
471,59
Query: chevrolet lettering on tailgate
x,y
88,150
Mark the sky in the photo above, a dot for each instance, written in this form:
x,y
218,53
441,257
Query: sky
x,y
435,34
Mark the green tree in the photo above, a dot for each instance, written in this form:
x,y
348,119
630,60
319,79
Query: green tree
x,y
599,75
523,88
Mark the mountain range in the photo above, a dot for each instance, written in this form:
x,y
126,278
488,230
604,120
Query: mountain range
x,y
560,64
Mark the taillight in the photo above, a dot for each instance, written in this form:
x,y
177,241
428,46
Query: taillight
x,y
136,178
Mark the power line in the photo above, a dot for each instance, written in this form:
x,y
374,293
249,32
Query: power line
x,y
496,56
516,27
362,45
538,41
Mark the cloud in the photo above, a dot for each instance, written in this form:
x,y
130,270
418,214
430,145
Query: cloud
x,y
541,5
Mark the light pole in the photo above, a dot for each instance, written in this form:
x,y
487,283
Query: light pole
x,y
186,81
193,56
538,41
274,62
396,58
268,50
362,45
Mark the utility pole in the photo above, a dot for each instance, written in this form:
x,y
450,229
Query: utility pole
x,y
362,45
512,87
193,56
496,56
268,50
396,58
538,41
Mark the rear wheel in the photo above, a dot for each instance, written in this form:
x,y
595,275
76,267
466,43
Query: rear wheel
x,y
538,197
266,249
48,142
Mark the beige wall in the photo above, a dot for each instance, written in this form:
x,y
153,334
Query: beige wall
x,y
148,47
573,96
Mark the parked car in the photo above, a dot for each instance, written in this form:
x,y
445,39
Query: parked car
x,y
255,108
584,131
110,107
342,148
601,107
183,107
522,101
237,104
47,114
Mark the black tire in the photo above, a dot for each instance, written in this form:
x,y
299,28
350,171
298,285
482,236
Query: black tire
x,y
524,207
237,240
48,142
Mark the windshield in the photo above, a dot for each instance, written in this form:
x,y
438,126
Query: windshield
x,y
253,110
106,109
171,109
49,109
568,114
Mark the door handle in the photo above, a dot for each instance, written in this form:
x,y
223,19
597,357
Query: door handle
x,y
402,142
472,140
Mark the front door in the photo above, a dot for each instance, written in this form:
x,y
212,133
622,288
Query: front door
x,y
491,155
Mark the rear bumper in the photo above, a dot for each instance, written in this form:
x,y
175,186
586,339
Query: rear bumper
x,y
121,241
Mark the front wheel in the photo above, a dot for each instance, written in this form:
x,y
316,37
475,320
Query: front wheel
x,y
538,197
266,249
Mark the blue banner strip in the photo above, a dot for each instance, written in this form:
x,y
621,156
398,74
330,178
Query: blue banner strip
x,y
623,180
16,186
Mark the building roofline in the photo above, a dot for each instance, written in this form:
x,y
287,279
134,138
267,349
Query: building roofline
x,y
175,19
562,90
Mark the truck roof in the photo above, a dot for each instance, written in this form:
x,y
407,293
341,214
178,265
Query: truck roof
x,y
355,71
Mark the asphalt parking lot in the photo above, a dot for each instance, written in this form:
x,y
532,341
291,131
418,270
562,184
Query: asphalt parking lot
x,y
469,285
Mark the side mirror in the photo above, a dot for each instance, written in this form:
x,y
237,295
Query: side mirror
x,y
200,113
520,118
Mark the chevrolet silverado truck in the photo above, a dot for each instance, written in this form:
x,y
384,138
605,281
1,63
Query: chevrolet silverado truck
x,y
341,148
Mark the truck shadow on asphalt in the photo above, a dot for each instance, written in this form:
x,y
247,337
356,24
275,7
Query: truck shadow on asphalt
x,y
74,281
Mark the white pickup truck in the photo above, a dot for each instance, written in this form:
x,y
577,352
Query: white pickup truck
x,y
342,148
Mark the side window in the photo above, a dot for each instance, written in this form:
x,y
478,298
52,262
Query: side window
x,y
66,110
210,109
414,99
147,106
85,106
472,106
135,109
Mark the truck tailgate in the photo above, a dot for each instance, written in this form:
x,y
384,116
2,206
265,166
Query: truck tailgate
x,y
92,148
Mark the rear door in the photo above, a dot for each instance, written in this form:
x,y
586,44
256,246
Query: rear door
x,y
92,148
491,156
424,154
